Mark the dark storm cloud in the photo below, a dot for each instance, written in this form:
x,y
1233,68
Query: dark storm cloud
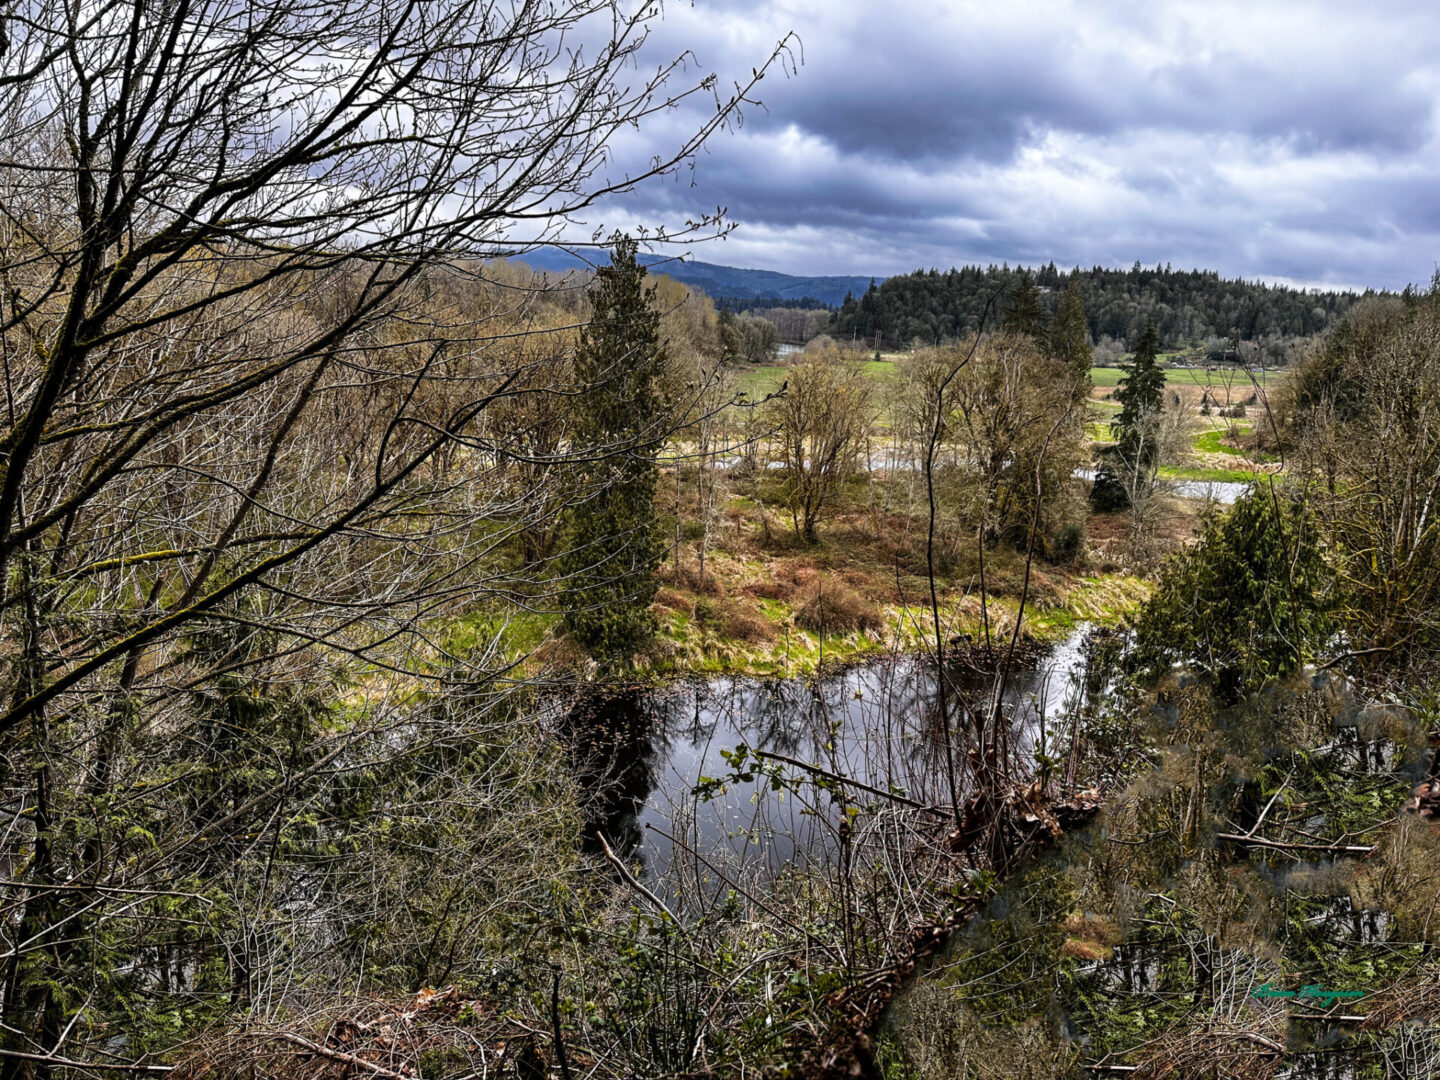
x,y
1292,140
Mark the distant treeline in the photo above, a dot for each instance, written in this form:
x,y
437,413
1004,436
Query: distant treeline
x,y
738,304
795,321
1189,307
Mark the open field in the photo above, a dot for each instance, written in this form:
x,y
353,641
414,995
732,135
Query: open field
x,y
759,381
756,382
745,615
1217,379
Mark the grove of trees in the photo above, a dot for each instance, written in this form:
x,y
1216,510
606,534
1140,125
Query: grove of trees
x,y
1187,307
273,421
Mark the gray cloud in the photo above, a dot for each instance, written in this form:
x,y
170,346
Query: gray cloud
x,y
1287,140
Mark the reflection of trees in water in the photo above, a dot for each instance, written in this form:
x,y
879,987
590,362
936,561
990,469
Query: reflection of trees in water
x,y
611,735
877,723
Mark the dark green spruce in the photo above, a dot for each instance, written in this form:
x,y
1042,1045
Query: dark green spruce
x,y
614,543
1132,460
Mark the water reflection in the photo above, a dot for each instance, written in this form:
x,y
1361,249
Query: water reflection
x,y
642,753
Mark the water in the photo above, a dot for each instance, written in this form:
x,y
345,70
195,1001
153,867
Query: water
x,y
1224,492
647,751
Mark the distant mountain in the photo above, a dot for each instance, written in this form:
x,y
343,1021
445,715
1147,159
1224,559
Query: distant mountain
x,y
730,281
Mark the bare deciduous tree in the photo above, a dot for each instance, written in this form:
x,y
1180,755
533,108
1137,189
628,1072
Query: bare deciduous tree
x,y
265,433
821,421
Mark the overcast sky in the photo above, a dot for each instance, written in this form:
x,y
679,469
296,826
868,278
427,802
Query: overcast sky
x,y
1288,141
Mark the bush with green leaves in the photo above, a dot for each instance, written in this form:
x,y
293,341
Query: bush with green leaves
x,y
1243,605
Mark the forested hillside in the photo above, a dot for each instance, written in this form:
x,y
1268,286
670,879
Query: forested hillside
x,y
1189,307
740,286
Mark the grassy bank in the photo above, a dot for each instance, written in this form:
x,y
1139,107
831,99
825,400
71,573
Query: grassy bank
x,y
767,603
770,605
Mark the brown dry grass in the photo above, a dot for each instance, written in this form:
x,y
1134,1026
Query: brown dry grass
x,y
831,607
772,589
748,627
674,601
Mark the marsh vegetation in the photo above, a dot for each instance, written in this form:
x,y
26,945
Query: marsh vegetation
x,y
416,665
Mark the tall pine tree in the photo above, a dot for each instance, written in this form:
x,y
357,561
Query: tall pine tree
x,y
614,542
1023,314
1070,337
1134,456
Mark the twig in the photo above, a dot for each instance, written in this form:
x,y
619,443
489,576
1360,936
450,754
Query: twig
x,y
335,1055
631,880
560,1058
1259,820
67,1063
1260,1040
941,675
905,800
811,938
1349,849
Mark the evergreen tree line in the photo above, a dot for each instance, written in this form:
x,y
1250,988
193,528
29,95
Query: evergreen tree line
x,y
1189,308
737,304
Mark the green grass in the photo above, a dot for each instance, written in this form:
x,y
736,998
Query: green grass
x,y
766,379
1209,442
518,634
1205,475
1238,380
759,381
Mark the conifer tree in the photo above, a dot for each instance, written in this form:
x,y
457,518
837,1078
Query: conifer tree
x,y
1070,336
1134,456
1141,393
613,537
1024,314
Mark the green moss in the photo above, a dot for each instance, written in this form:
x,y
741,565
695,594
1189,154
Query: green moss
x,y
518,633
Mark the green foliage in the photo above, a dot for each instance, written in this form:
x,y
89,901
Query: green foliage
x,y
1148,986
614,542
1007,959
1244,604
936,307
1070,337
1135,453
1141,392
1023,314
657,1005
1331,378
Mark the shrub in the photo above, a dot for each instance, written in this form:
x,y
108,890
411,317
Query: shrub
x,y
1244,604
733,620
746,626
675,601
772,589
831,608
1068,542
